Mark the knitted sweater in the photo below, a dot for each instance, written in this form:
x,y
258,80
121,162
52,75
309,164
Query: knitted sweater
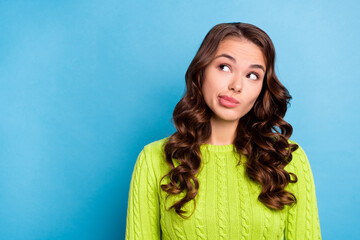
x,y
227,205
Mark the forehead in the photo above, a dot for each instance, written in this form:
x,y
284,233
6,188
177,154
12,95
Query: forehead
x,y
241,49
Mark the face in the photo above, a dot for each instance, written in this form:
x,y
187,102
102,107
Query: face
x,y
234,78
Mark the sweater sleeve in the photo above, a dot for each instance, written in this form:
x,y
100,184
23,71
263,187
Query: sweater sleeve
x,y
143,219
302,218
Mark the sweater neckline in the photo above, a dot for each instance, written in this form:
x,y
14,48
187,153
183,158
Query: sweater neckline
x,y
217,148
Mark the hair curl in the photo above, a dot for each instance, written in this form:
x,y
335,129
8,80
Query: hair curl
x,y
262,134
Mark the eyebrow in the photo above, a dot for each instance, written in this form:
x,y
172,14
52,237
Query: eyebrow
x,y
234,60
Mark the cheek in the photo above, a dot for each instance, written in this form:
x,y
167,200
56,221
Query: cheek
x,y
254,93
207,92
211,87
257,92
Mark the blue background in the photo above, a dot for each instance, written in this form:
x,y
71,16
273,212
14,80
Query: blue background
x,y
86,84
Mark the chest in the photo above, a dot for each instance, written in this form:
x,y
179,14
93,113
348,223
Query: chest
x,y
226,207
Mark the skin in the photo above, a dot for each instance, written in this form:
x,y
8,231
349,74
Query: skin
x,y
239,79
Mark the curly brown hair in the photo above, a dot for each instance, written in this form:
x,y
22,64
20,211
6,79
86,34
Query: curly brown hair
x,y
261,136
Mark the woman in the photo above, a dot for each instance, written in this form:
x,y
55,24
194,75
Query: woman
x,y
230,170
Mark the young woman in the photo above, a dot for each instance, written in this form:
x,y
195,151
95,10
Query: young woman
x,y
230,170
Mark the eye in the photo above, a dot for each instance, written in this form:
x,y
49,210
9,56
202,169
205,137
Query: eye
x,y
253,76
224,67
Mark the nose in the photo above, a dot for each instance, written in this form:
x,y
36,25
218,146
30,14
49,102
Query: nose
x,y
236,84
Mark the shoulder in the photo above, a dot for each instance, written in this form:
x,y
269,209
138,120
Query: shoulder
x,y
299,152
299,161
156,147
299,164
154,155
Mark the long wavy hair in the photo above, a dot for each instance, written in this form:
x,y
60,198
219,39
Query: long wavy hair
x,y
261,135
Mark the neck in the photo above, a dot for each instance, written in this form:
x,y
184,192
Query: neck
x,y
222,132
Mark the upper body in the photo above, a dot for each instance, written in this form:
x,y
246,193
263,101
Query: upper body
x,y
233,101
226,204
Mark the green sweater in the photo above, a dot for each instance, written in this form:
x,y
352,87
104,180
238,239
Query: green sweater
x,y
226,204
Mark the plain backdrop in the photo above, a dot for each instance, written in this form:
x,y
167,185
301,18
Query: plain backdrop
x,y
85,85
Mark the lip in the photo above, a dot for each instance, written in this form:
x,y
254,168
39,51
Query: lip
x,y
227,101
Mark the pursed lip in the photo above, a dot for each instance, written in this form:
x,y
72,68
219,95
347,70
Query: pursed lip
x,y
230,99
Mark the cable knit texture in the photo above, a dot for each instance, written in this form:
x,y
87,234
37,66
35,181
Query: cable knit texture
x,y
226,204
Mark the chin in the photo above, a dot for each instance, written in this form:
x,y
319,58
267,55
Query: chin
x,y
229,118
